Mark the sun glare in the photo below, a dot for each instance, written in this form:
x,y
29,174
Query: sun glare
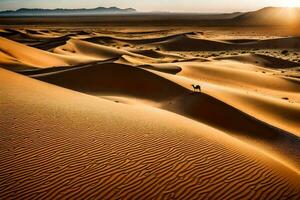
x,y
291,3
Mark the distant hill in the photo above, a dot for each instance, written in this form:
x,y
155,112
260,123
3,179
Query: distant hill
x,y
61,11
271,16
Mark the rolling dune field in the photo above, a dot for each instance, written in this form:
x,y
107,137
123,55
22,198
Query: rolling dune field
x,y
99,113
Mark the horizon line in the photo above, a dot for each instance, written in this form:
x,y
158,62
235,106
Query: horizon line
x,y
138,11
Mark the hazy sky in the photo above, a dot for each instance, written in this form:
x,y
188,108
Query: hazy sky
x,y
152,5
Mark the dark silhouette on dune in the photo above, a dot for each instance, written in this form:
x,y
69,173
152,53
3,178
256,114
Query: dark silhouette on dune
x,y
197,87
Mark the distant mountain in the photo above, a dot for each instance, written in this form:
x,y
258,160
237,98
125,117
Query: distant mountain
x,y
271,16
61,11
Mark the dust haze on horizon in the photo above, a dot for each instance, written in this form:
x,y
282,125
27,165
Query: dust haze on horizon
x,y
211,6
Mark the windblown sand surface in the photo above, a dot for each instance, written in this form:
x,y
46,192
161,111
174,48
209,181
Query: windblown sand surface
x,y
112,114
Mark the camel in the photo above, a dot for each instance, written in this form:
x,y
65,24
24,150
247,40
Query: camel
x,y
196,87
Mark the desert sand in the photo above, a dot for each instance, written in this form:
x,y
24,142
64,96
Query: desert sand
x,y
110,113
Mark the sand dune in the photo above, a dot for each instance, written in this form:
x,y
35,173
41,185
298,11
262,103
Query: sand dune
x,y
239,41
111,113
262,60
97,157
278,43
171,42
185,42
127,80
10,62
241,74
49,70
136,41
51,44
36,38
155,54
245,87
13,52
271,16
91,50
204,108
167,68
134,82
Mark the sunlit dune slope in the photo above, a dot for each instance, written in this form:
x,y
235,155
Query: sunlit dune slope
x,y
188,43
19,54
114,113
262,60
166,92
99,148
80,47
195,42
245,87
271,16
